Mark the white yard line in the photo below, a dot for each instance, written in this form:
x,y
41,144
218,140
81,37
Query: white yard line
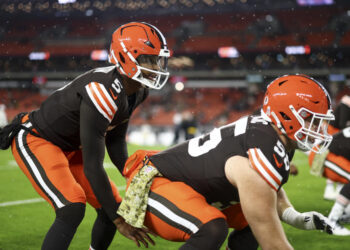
x,y
20,202
35,200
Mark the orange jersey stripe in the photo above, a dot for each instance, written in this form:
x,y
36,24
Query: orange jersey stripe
x,y
98,102
261,174
106,99
267,169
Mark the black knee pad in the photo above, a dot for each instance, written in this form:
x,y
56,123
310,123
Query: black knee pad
x,y
345,191
242,240
71,214
210,236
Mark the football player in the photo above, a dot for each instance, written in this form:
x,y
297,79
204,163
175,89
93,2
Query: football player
x,y
233,176
342,116
61,146
342,120
334,164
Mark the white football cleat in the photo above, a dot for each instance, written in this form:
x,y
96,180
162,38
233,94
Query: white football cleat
x,y
340,230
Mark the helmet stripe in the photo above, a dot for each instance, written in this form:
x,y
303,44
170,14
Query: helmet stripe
x,y
159,34
322,87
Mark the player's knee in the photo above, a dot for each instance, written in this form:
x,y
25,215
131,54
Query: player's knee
x,y
210,236
242,240
217,229
71,214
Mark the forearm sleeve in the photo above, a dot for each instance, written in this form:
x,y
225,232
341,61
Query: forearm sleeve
x,y
117,146
92,127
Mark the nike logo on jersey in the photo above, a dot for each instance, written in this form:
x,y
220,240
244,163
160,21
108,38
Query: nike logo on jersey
x,y
115,97
278,164
102,100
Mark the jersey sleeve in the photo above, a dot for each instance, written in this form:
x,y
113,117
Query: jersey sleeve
x,y
102,100
269,158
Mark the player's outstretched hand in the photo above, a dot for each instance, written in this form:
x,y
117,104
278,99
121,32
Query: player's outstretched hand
x,y
136,234
316,221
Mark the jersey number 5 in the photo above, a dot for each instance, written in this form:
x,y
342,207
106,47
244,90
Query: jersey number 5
x,y
203,144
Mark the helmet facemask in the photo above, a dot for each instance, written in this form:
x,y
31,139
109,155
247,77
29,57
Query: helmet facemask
x,y
312,134
152,70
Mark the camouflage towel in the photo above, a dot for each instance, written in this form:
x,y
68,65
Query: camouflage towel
x,y
134,205
318,164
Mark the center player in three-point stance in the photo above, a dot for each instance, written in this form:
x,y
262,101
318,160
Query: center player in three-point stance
x,y
61,146
233,176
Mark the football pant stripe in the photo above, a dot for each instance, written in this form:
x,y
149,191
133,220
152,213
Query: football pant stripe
x,y
21,136
172,215
337,169
99,106
37,172
261,169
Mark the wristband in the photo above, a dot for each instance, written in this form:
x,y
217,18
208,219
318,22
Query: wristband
x,y
290,216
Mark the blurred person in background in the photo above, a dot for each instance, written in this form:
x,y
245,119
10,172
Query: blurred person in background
x,y
3,116
61,146
189,124
233,176
342,120
334,164
177,120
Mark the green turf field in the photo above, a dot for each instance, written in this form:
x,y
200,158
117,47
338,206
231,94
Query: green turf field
x,y
23,226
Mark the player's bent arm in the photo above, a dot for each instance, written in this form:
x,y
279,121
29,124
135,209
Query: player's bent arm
x,y
282,202
92,129
258,201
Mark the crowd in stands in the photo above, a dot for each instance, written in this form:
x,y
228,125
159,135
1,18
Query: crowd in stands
x,y
194,39
260,39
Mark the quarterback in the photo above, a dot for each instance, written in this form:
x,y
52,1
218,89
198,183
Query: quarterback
x,y
232,177
61,146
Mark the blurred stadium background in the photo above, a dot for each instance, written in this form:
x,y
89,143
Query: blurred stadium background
x,y
224,52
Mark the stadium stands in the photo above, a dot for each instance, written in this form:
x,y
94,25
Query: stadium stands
x,y
69,34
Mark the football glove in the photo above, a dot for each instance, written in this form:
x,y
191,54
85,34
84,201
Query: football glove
x,y
307,221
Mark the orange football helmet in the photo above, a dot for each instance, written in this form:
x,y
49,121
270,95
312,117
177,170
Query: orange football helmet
x,y
300,107
138,43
